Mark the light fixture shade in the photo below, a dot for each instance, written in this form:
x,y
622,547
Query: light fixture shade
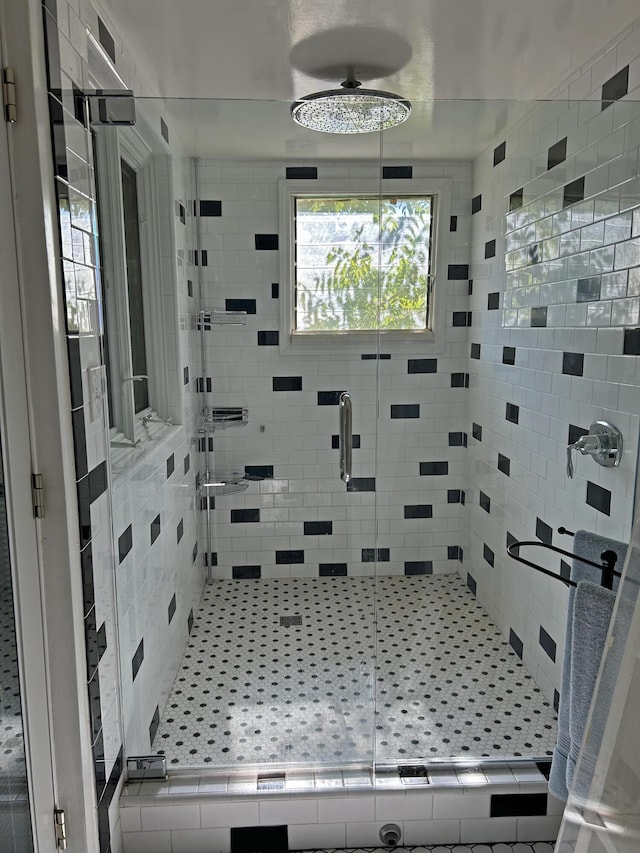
x,y
350,110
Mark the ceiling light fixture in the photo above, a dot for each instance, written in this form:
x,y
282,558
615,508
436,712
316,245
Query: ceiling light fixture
x,y
350,109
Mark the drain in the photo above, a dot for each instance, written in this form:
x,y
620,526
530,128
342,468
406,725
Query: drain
x,y
288,621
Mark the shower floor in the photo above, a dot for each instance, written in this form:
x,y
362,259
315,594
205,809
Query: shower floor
x,y
297,670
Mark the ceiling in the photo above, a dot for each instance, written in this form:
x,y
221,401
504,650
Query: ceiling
x,y
278,50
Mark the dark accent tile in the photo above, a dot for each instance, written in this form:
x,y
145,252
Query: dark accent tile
x,y
565,570
261,472
476,204
457,272
246,305
504,464
544,532
97,481
576,432
484,501
456,439
125,543
418,567
512,413
185,375
599,498
573,192
538,317
194,553
79,443
372,356
397,172
171,465
106,40
511,539
453,223
266,839
516,643
405,410
136,660
204,257
460,318
182,213
371,555
458,380
493,301
418,511
88,591
171,609
189,287
95,642
573,363
471,583
335,442
318,528
75,372
207,502
545,768
361,484
266,242
476,432
332,570
209,207
275,290
211,559
153,726
268,339
557,153
179,531
453,552
164,130
98,764
488,554
475,350
433,469
245,516
631,342
490,249
547,643
95,709
302,173
499,153
245,573
589,289
287,383
422,365
615,87
454,496
155,528
329,398
286,558
470,287
186,464
508,355
516,199
556,701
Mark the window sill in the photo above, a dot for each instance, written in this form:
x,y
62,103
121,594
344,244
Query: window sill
x,y
125,460
355,343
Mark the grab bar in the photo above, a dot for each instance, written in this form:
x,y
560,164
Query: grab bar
x,y
345,436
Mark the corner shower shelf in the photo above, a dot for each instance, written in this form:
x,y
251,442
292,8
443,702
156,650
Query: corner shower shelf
x,y
224,483
219,317
223,417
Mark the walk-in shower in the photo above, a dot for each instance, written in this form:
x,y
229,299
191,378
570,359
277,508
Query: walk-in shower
x,y
301,617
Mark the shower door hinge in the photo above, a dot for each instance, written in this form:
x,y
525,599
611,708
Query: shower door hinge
x,y
37,493
60,829
9,94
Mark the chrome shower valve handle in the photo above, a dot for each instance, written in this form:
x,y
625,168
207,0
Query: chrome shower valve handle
x,y
603,443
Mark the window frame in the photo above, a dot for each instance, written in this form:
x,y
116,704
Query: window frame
x,y
320,342
136,147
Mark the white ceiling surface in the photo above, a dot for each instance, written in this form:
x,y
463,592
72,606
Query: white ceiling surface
x,y
279,50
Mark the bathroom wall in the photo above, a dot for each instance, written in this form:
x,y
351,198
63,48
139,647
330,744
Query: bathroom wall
x,y
300,520
554,342
142,572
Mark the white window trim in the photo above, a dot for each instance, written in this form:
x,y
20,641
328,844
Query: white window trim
x,y
136,147
313,343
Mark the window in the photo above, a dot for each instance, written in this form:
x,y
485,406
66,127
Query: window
x,y
140,333
358,263
362,263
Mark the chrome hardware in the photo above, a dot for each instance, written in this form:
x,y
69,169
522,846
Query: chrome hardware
x,y
37,493
140,377
346,449
60,827
149,419
603,443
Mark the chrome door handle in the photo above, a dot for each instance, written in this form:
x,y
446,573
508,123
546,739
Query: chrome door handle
x,y
346,449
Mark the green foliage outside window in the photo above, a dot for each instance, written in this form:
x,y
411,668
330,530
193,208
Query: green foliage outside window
x,y
362,263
